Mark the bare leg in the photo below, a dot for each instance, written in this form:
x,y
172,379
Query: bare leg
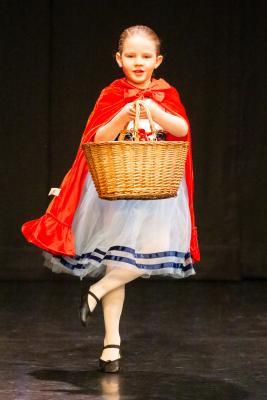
x,y
112,304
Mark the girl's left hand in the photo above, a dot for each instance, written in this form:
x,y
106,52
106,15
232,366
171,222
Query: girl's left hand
x,y
152,105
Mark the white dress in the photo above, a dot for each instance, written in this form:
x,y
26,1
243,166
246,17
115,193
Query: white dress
x,y
152,236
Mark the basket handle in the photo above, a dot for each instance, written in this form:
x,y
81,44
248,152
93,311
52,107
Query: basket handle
x,y
138,104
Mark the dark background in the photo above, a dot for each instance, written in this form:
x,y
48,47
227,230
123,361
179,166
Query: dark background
x,y
57,55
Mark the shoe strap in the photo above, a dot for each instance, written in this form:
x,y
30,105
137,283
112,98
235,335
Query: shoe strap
x,y
94,296
116,346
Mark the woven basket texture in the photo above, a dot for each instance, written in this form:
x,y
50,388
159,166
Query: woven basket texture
x,y
136,170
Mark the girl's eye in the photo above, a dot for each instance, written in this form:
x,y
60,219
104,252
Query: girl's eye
x,y
132,56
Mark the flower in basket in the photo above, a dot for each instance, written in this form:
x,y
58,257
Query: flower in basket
x,y
142,135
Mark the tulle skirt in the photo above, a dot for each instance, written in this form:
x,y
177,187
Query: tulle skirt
x,y
151,237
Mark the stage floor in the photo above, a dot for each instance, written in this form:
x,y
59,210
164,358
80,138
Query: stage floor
x,y
181,340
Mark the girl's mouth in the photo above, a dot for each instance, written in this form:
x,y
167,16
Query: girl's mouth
x,y
138,72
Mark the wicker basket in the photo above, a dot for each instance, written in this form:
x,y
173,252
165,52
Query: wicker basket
x,y
135,169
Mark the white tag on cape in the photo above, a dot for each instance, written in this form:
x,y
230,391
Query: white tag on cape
x,y
54,192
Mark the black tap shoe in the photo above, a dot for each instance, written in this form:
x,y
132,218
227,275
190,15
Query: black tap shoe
x,y
110,366
85,312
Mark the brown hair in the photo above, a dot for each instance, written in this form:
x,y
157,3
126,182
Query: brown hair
x,y
139,30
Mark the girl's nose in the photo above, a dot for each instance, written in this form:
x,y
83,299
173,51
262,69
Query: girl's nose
x,y
138,61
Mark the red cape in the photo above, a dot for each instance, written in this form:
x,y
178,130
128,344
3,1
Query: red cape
x,y
52,232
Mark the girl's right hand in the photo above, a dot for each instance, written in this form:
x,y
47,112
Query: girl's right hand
x,y
129,110
117,123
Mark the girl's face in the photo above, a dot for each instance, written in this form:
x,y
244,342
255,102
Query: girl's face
x,y
138,60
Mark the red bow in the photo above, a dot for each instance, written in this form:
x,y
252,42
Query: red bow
x,y
142,93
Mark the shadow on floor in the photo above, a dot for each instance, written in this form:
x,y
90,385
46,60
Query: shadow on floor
x,y
140,385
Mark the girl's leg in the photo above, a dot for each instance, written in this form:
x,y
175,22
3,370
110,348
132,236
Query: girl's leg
x,y
114,278
112,304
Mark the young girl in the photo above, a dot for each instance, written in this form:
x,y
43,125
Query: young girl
x,y
119,241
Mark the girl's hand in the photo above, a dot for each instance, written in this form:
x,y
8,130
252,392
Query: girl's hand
x,y
175,124
152,106
130,111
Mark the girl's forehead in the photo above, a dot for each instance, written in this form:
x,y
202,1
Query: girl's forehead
x,y
139,43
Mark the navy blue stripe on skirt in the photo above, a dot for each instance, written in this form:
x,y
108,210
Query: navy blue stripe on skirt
x,y
175,260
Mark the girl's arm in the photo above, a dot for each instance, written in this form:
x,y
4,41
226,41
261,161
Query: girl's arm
x,y
110,130
173,124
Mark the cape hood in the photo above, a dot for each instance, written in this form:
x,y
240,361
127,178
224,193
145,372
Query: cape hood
x,y
52,232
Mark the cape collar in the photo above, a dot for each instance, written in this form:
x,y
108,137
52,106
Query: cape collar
x,y
155,90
